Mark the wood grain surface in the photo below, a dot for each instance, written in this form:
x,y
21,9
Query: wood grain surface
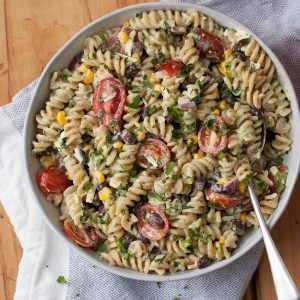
x,y
31,31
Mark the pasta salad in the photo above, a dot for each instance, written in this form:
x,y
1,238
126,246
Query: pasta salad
x,y
151,135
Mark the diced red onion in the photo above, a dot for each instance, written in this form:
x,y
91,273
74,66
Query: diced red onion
x,y
231,186
187,105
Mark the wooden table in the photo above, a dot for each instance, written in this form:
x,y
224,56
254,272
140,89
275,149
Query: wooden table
x,y
31,31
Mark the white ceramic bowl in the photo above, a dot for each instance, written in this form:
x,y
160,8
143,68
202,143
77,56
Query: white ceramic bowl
x,y
40,96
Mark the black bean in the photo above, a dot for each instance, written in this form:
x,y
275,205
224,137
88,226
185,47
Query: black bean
x,y
127,239
185,200
117,137
154,252
75,60
240,54
237,47
270,135
156,220
86,138
199,184
144,113
256,112
85,158
128,138
203,262
115,74
229,98
144,240
244,149
101,186
97,203
236,226
131,71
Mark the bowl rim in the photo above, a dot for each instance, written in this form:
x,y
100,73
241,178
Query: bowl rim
x,y
27,153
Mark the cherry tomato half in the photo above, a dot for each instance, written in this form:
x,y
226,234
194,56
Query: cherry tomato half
x,y
113,108
150,229
279,180
212,136
171,67
84,238
154,154
222,201
209,45
52,180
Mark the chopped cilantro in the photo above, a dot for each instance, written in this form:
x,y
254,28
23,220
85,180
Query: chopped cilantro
x,y
160,59
100,220
61,279
196,99
102,248
176,133
187,244
175,264
169,167
136,89
96,157
83,218
167,26
160,260
135,103
152,110
139,15
186,69
221,155
87,186
120,192
203,239
155,94
108,137
199,86
278,160
64,77
147,84
103,38
122,248
174,112
214,205
71,104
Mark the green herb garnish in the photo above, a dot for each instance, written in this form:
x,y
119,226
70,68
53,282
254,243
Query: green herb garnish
x,y
122,248
196,99
175,264
187,244
199,86
83,218
186,69
135,103
139,15
155,94
87,186
102,248
100,220
169,167
203,239
176,133
71,104
61,279
160,260
221,155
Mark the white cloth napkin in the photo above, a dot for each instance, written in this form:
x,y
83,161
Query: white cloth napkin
x,y
45,257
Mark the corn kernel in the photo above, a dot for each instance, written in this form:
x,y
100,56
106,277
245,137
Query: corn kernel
x,y
222,240
101,177
158,88
61,118
141,135
136,56
88,77
215,112
199,155
83,68
123,37
228,53
242,187
222,104
243,217
46,161
69,177
153,78
104,194
118,145
222,67
126,25
223,180
195,139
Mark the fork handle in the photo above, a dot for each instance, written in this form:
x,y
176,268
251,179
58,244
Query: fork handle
x,y
284,285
